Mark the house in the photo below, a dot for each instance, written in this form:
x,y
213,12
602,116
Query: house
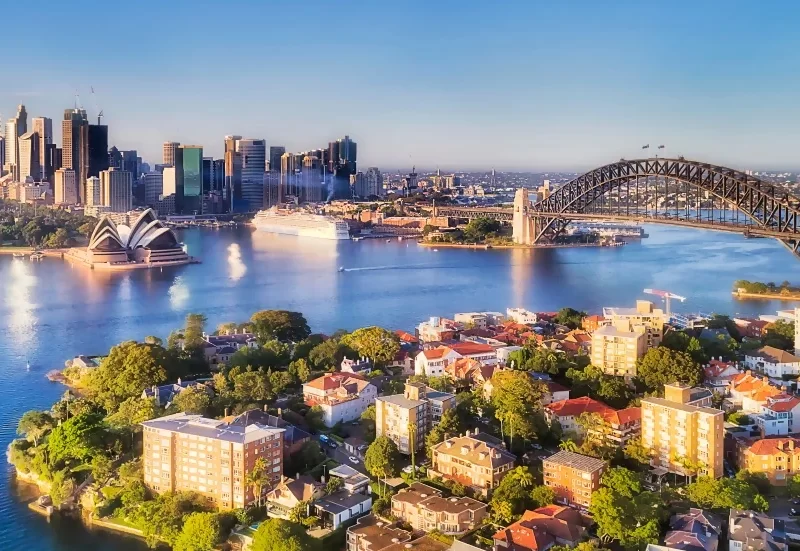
x,y
779,416
293,437
566,412
773,362
355,446
406,338
753,328
623,425
433,361
165,394
218,349
359,366
352,480
370,533
291,492
573,477
542,528
577,342
481,320
341,506
696,530
750,392
592,323
778,458
555,393
752,531
478,461
404,359
718,374
521,316
437,329
469,371
424,508
504,353
343,397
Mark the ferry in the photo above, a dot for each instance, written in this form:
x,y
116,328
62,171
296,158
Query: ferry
x,y
301,223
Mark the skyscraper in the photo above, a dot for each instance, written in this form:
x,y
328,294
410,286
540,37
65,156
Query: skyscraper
x,y
2,154
22,120
130,163
168,154
153,188
253,154
66,187
93,197
29,157
43,126
116,190
114,158
233,173
75,147
373,182
275,153
311,190
190,185
97,149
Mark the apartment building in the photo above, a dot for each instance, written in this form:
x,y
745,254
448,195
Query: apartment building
x,y
645,316
621,425
573,477
778,458
185,452
407,418
615,349
424,508
479,461
773,362
479,320
521,316
437,329
343,397
674,430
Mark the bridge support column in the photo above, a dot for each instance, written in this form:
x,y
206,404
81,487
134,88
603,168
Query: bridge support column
x,y
523,224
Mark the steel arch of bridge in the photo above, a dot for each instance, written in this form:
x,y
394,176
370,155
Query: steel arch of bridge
x,y
773,213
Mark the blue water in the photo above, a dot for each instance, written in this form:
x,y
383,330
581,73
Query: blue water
x,y
51,311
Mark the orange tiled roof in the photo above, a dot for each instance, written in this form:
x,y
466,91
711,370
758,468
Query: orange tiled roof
x,y
539,529
406,337
331,381
471,348
435,353
782,403
624,416
775,446
577,406
762,394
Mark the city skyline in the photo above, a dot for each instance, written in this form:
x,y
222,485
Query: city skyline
x,y
554,87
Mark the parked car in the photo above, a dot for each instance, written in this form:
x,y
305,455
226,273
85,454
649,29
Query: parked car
x,y
332,445
794,512
362,447
324,439
353,459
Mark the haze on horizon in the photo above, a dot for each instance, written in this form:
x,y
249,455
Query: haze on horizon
x,y
538,86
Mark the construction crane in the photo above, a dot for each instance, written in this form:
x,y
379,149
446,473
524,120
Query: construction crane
x,y
97,108
667,296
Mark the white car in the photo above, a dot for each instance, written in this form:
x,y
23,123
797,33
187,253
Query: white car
x,y
408,470
354,459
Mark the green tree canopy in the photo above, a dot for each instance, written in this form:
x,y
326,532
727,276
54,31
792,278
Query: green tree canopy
x,y
376,343
570,317
328,355
382,458
200,532
77,439
724,493
280,324
281,535
133,411
194,400
34,424
517,400
662,365
193,333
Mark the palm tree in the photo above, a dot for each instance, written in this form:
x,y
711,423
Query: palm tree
x,y
568,445
524,477
257,478
412,440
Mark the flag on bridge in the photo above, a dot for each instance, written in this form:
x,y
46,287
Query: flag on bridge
x,y
646,146
661,147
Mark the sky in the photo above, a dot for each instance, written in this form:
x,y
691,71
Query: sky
x,y
534,85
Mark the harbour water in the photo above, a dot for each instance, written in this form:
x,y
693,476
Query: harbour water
x,y
51,311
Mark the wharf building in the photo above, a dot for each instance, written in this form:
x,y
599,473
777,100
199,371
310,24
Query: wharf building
x,y
185,452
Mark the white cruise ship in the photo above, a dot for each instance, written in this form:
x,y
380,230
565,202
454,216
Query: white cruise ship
x,y
303,224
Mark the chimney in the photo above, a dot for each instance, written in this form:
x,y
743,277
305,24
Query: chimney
x,y
477,431
179,380
227,411
280,412
265,408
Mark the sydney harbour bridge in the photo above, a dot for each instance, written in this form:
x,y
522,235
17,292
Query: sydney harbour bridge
x,y
665,191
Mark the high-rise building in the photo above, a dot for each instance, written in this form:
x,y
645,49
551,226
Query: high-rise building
x,y
43,126
93,197
75,147
645,316
253,154
275,154
220,455
116,190
169,180
681,429
615,349
98,149
22,120
233,173
29,157
347,153
130,163
218,176
2,154
65,187
373,182
168,155
12,148
114,158
153,188
311,186
407,418
190,185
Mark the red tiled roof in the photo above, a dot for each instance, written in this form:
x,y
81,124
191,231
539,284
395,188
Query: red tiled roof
x,y
577,406
471,348
330,381
624,416
539,529
406,337
435,353
783,403
775,446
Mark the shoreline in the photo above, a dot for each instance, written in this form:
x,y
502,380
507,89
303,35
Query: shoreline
x,y
766,296
512,246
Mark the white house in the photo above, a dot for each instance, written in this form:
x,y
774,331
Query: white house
x,y
773,362
779,416
342,396
432,362
479,320
520,315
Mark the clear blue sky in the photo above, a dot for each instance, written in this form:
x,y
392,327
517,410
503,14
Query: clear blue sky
x,y
532,85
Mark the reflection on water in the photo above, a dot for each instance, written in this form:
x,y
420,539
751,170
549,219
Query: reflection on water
x,y
236,266
20,287
178,293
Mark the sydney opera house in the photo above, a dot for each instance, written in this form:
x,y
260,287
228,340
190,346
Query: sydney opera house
x,y
147,243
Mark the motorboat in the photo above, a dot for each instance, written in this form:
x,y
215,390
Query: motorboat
x,y
19,255
341,268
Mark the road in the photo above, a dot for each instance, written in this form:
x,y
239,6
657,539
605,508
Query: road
x,y
341,455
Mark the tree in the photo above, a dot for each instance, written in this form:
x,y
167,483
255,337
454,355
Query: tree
x,y
328,355
513,495
152,339
280,324
77,439
280,381
61,487
568,445
194,400
739,418
794,486
607,388
257,478
200,532
779,334
227,328
662,365
382,458
34,424
570,317
542,495
375,343
315,418
281,535
101,468
635,451
517,400
128,369
723,493
251,386
193,333
133,411
334,485
368,423
300,370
